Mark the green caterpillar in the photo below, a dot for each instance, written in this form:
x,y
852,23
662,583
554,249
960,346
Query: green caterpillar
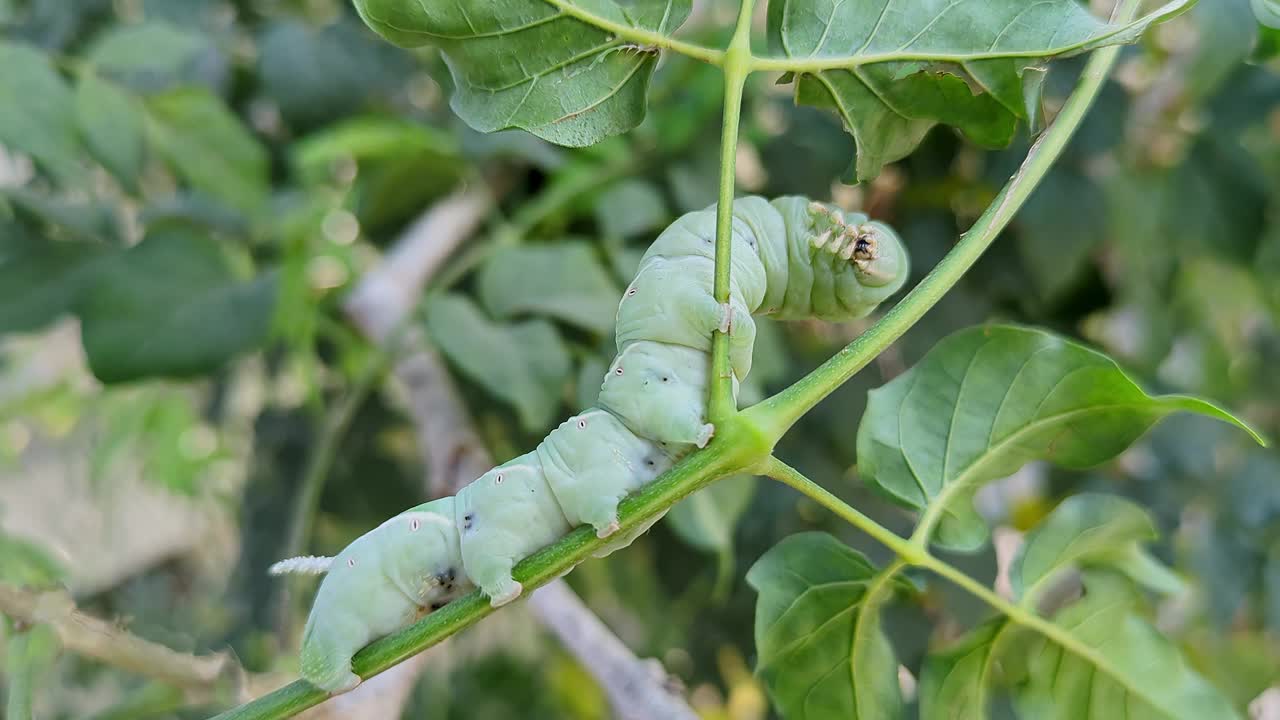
x,y
791,259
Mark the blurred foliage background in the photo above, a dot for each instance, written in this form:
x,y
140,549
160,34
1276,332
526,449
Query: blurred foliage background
x,y
189,188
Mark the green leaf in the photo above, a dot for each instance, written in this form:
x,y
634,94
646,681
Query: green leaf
x,y
155,49
65,216
37,112
565,281
209,147
172,306
987,400
25,563
1056,238
111,122
1124,669
1146,676
524,364
894,68
546,67
708,518
1088,530
630,208
955,682
821,650
41,279
400,166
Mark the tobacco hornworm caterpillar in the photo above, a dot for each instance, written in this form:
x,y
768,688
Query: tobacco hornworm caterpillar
x,y
791,259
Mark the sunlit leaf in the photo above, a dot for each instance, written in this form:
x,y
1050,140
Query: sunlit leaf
x,y
541,66
987,400
893,69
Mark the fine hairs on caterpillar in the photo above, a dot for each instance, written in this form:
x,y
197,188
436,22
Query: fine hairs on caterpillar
x,y
791,258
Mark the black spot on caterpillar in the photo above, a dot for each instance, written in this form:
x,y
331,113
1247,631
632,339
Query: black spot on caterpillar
x,y
791,259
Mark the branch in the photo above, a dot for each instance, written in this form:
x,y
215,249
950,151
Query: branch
x,y
100,640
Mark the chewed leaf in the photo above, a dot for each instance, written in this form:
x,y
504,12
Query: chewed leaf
x,y
1140,673
894,68
547,67
822,652
986,401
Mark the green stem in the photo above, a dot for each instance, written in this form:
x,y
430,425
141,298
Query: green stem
x,y
782,472
737,66
638,36
690,475
778,413
31,653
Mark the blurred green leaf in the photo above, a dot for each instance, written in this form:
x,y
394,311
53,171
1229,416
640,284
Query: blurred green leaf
x,y
65,216
209,147
987,400
565,281
32,653
154,49
25,563
524,364
1088,530
401,166
527,64
630,208
907,67
37,112
111,122
41,279
318,74
1056,236
172,306
821,650
708,518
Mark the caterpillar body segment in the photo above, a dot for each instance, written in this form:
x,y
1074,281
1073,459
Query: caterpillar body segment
x,y
791,258
592,461
384,580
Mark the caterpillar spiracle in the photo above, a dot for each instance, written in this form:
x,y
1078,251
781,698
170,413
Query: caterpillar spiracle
x,y
791,258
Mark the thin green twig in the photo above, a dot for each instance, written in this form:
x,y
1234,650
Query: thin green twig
x,y
737,65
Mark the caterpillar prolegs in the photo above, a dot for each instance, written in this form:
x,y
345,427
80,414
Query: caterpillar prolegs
x,y
791,258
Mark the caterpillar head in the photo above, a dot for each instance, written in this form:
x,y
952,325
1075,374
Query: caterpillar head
x,y
873,248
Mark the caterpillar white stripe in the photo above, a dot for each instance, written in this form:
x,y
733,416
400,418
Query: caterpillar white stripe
x,y
790,259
